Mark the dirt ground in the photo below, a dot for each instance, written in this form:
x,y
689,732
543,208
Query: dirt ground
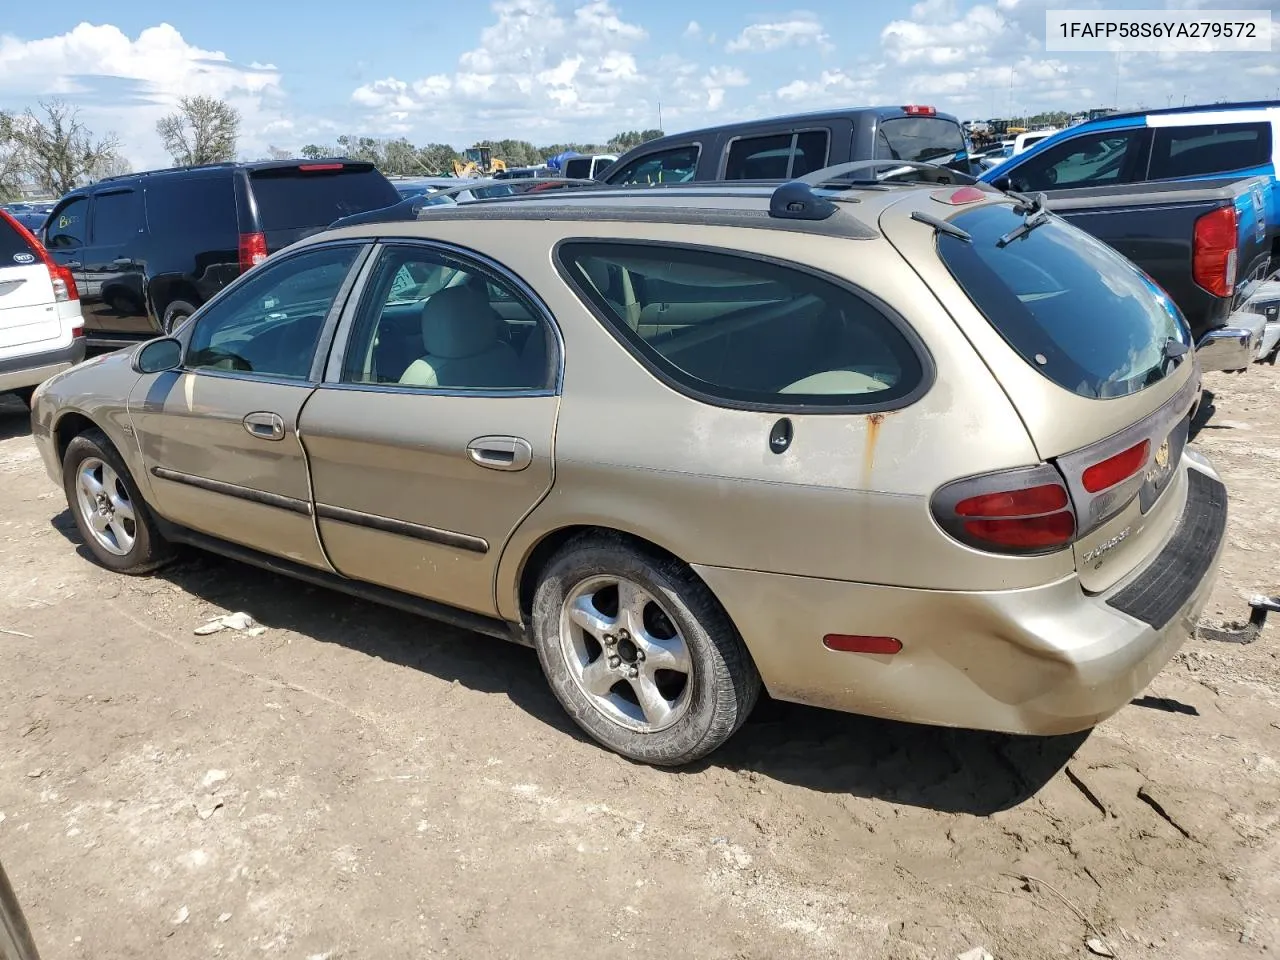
x,y
360,783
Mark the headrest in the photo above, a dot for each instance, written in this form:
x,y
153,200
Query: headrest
x,y
458,322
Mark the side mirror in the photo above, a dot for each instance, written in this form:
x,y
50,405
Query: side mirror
x,y
157,356
1003,184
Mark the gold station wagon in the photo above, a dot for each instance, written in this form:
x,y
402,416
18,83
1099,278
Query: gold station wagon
x,y
909,450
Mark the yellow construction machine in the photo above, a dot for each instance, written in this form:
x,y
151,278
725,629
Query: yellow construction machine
x,y
478,162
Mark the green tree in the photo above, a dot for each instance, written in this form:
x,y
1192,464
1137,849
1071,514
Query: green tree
x,y
202,130
632,138
436,158
313,151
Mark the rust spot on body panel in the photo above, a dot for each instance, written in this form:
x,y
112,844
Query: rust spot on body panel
x,y
874,421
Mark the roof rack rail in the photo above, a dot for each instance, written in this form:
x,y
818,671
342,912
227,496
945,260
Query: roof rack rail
x,y
147,173
795,199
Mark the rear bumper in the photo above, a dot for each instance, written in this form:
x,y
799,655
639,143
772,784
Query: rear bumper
x,y
34,369
1044,660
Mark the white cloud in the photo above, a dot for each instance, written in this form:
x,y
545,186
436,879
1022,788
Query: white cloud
x,y
718,79
536,74
693,29
797,32
124,85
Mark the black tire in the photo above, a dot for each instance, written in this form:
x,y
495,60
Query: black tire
x,y
25,394
150,549
723,684
175,314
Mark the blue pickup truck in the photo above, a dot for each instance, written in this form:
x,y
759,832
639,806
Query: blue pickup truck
x,y
1166,171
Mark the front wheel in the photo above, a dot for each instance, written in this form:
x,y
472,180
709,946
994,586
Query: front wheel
x,y
109,512
640,653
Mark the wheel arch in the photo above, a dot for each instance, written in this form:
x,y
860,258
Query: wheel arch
x,y
68,426
519,591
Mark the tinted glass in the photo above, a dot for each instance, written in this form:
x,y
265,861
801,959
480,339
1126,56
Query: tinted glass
x,y
67,227
271,323
117,217
1095,158
180,206
578,168
810,152
667,166
759,158
431,321
292,198
745,330
918,138
1076,310
1207,150
13,246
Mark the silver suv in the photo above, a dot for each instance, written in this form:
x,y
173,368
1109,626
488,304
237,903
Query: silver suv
x,y
907,450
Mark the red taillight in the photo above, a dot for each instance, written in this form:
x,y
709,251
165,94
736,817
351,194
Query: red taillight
x,y
320,166
253,250
77,332
1213,251
914,110
1032,533
62,279
1113,470
1031,502
856,643
1027,510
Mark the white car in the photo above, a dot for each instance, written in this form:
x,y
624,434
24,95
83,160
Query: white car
x,y
41,328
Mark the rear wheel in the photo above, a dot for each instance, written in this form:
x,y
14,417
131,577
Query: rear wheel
x,y
640,653
109,512
176,314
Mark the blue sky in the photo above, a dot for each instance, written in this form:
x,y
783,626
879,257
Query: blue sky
x,y
555,70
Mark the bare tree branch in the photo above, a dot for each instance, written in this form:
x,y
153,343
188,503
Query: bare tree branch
x,y
56,149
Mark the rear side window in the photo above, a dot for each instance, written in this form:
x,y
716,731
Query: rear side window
x,y
293,197
578,168
179,206
749,332
666,166
1203,151
1089,159
921,139
117,217
776,157
13,247
1072,307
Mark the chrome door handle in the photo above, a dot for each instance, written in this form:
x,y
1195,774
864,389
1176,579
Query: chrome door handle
x,y
73,264
500,453
265,426
122,262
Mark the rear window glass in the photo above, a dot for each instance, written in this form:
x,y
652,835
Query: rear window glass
x,y
292,198
1206,150
180,206
921,139
13,246
1071,306
732,328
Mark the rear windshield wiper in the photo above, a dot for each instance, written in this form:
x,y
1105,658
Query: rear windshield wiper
x,y
1034,210
950,229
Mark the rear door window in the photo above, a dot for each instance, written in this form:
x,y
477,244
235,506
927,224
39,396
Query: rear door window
x,y
922,139
777,156
315,195
1200,151
1091,159
748,332
677,165
117,218
1072,307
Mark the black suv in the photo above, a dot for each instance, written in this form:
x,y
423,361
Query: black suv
x,y
147,249
784,147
